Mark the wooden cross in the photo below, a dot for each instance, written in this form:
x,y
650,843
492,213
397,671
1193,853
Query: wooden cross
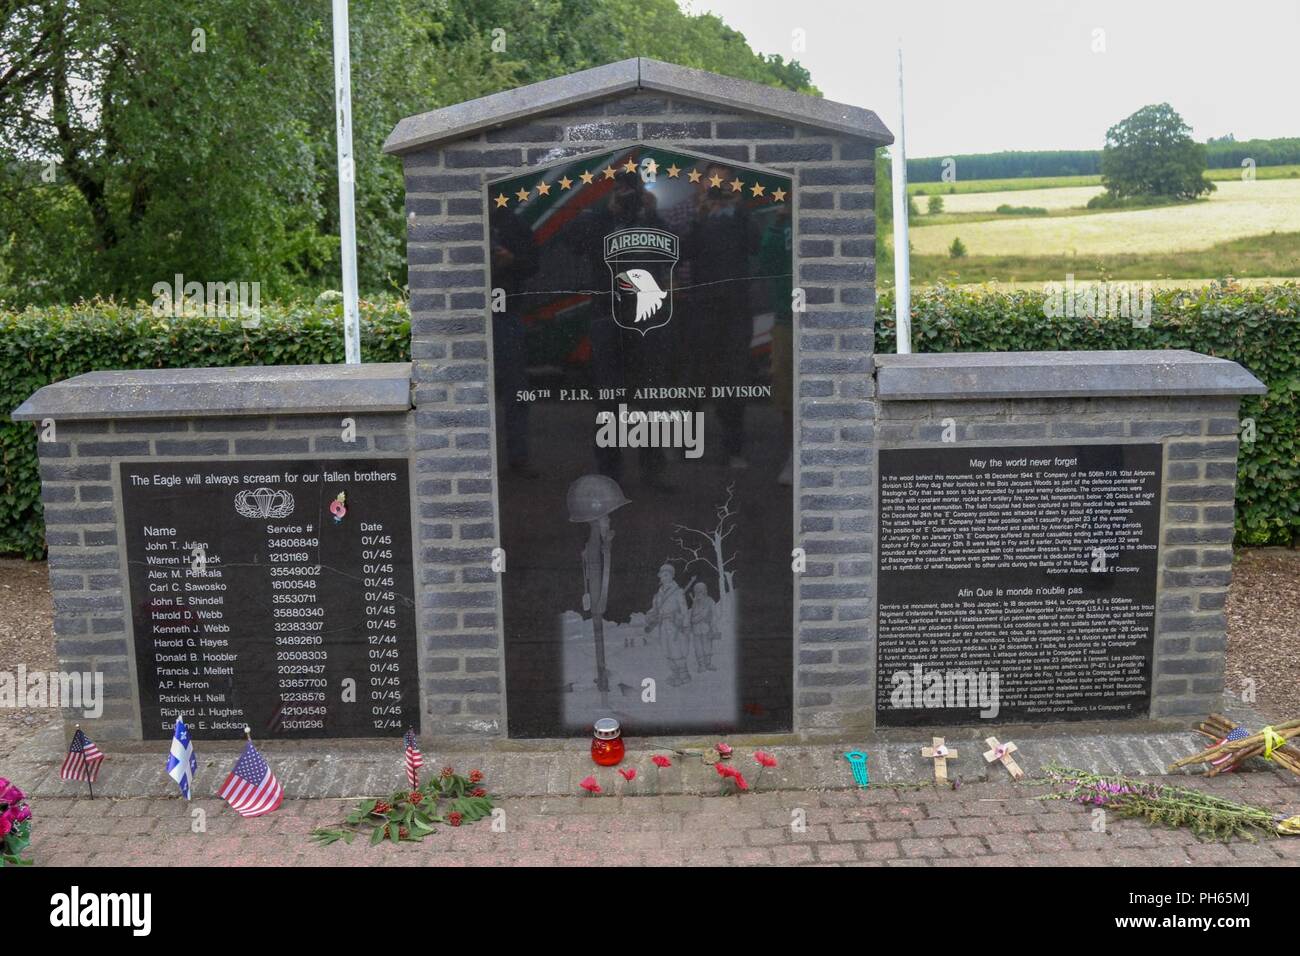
x,y
940,754
1003,752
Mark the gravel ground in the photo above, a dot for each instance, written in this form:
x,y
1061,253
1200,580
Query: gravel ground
x,y
1263,633
26,637
1264,629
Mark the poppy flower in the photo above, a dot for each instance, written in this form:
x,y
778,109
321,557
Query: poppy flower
x,y
738,779
725,770
590,785
661,761
628,773
764,759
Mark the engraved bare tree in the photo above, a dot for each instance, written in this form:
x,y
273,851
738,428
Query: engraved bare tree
x,y
707,548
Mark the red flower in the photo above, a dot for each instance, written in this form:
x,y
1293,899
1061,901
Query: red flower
x,y
590,785
738,779
475,776
454,818
447,771
381,808
724,749
661,761
725,770
415,796
478,792
765,759
628,773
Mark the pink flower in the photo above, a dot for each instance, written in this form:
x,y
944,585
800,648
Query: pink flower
x,y
724,749
661,761
764,759
739,780
590,785
628,773
726,771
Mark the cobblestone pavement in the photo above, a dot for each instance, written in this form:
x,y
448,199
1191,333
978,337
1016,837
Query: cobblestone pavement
x,y
981,824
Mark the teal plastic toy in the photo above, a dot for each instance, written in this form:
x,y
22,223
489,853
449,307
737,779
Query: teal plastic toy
x,y
858,761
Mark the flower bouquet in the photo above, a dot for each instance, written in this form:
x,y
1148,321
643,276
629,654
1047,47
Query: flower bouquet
x,y
412,814
15,825
1171,806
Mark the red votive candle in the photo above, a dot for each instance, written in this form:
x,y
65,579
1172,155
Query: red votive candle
x,y
607,743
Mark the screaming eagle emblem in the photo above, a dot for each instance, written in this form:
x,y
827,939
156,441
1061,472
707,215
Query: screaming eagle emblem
x,y
641,277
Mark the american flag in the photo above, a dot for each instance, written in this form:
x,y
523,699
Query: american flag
x,y
83,759
414,760
251,789
1237,733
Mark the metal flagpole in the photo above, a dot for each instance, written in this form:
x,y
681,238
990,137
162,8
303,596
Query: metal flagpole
x,y
902,266
347,175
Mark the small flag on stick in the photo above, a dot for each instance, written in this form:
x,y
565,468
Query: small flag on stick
x,y
182,764
414,760
82,761
251,789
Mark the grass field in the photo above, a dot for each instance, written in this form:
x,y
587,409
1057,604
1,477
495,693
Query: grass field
x,y
1056,182
1236,210
1268,256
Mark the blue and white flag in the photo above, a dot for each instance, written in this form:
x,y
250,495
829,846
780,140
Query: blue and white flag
x,y
182,765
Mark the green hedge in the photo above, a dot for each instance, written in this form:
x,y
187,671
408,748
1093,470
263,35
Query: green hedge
x,y
1258,327
48,345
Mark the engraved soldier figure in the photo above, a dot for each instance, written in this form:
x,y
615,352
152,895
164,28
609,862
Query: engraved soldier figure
x,y
668,615
704,628
592,498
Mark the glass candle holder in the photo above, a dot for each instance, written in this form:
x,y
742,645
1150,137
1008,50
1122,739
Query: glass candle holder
x,y
607,743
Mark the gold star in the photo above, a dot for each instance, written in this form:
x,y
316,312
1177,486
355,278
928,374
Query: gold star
x,y
756,190
693,175
715,180
565,182
736,185
586,178
522,194
501,200
778,195
673,170
651,166
543,189
609,172
630,165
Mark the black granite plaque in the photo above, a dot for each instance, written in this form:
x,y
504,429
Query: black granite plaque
x,y
642,328
272,593
1016,583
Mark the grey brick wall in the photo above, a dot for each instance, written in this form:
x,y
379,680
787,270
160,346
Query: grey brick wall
x,y
834,264
1199,438
87,556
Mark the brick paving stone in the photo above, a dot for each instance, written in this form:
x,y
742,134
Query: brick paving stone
x,y
982,824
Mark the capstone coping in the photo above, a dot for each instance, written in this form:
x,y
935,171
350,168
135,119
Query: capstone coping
x,y
986,375
247,390
639,73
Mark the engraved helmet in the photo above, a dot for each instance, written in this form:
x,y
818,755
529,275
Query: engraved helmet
x,y
593,496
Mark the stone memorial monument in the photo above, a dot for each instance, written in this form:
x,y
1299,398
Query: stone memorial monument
x,y
644,463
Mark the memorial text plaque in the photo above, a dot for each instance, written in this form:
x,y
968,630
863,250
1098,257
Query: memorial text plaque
x,y
642,332
1016,583
272,593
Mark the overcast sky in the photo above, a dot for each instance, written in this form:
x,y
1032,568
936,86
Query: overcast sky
x,y
1023,74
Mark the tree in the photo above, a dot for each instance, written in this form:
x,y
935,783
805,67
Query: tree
x,y
934,205
144,138
1151,154
958,249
